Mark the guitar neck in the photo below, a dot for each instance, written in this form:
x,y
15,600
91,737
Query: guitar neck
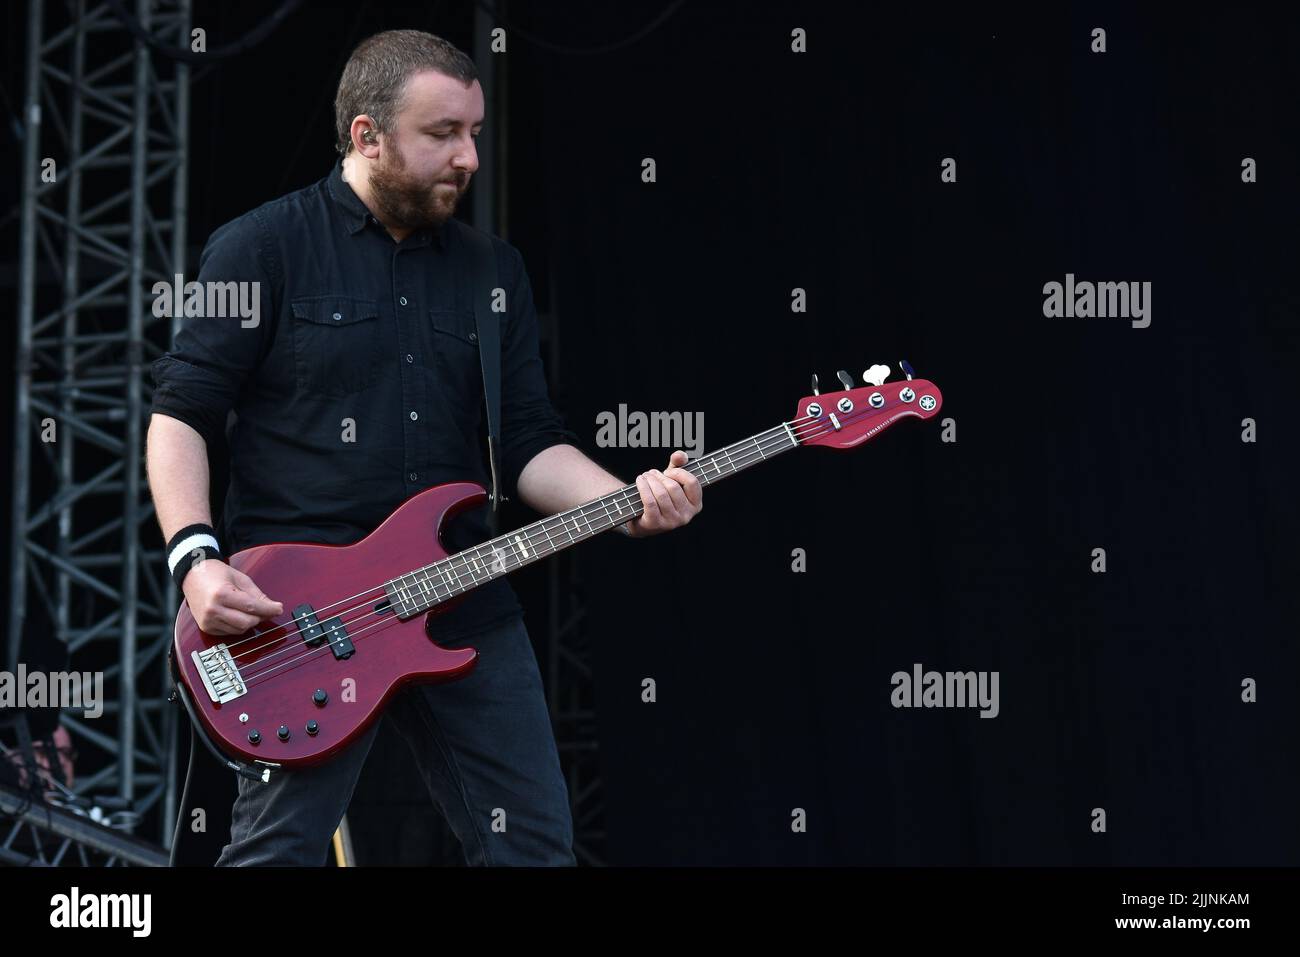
x,y
423,588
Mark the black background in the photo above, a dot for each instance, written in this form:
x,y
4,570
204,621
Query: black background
x,y
822,171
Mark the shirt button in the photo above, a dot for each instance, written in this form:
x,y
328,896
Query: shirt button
x,y
410,358
412,476
473,337
414,415
402,300
338,316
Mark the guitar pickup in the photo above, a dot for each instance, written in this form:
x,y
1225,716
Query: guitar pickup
x,y
338,638
315,633
312,633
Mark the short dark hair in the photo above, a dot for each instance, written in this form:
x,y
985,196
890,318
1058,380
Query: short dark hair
x,y
375,77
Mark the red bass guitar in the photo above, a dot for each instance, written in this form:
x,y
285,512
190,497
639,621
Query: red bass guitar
x,y
357,615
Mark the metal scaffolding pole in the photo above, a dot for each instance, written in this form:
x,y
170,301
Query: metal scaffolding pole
x,y
102,220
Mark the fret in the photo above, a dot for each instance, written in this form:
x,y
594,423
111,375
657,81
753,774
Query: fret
x,y
395,597
422,579
519,543
760,450
545,531
465,576
402,590
499,556
450,571
605,506
441,581
622,505
428,589
534,548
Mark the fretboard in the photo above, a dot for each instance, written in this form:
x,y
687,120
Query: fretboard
x,y
422,588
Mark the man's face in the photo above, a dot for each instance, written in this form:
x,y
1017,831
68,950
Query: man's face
x,y
427,159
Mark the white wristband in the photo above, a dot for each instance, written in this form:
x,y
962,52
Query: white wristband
x,y
187,545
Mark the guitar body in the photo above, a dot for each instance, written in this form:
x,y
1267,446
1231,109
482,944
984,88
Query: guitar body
x,y
280,672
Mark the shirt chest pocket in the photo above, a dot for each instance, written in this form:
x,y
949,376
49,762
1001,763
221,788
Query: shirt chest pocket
x,y
456,365
336,344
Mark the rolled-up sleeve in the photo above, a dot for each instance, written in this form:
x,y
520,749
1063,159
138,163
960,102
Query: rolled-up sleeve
x,y
529,422
199,380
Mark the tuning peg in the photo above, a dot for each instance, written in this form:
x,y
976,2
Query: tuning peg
x,y
906,367
815,392
876,375
845,378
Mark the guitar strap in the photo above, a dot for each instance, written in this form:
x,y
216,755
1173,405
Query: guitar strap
x,y
489,344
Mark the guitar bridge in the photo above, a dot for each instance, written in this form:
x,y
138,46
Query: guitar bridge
x,y
219,673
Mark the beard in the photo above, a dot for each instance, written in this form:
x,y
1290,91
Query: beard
x,y
410,203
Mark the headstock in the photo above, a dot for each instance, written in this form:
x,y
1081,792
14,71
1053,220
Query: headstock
x,y
849,417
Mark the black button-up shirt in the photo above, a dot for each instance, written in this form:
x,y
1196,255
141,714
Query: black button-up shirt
x,y
359,384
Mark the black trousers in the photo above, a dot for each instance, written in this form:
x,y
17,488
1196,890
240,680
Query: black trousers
x,y
483,746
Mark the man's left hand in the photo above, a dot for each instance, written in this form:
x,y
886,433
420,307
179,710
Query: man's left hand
x,y
671,498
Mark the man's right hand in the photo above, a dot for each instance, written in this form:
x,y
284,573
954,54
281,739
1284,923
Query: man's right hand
x,y
223,600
